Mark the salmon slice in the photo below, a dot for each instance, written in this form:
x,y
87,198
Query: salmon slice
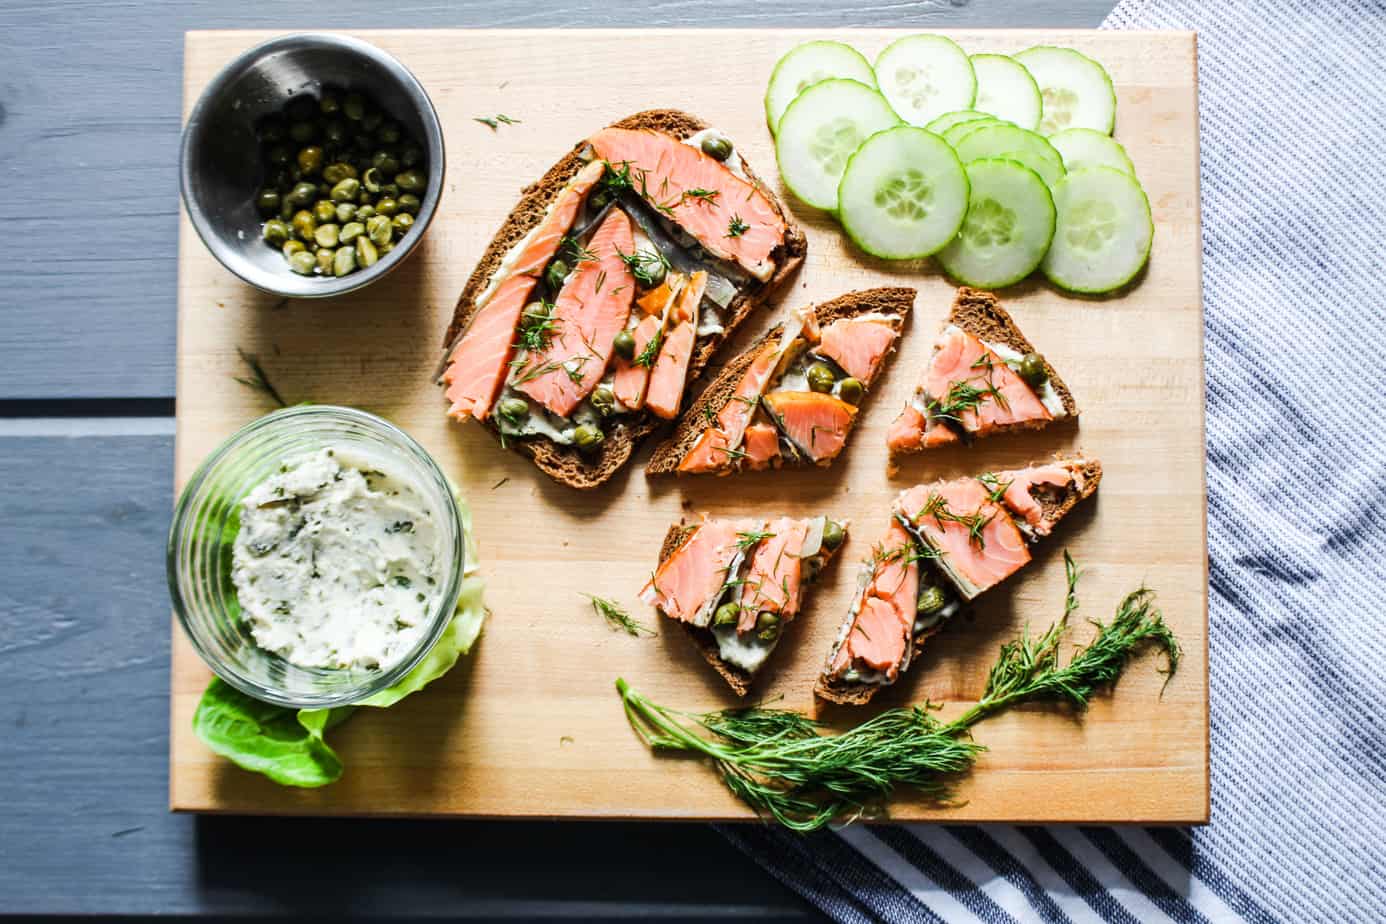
x,y
631,377
858,345
729,216
761,444
696,572
773,578
591,309
880,634
478,363
978,543
815,423
961,361
670,371
1019,497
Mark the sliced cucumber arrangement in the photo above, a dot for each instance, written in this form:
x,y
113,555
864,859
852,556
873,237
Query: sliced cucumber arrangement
x,y
807,64
1009,224
903,195
1083,147
1102,233
1077,91
821,129
1006,90
924,76
1003,165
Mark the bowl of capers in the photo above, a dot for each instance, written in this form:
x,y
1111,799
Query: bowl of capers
x,y
312,165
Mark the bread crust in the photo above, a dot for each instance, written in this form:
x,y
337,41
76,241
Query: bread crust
x,y
895,301
565,464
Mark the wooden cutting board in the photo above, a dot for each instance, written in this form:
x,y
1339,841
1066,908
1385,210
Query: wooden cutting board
x,y
530,725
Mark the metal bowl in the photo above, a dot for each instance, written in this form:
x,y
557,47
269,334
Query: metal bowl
x,y
220,168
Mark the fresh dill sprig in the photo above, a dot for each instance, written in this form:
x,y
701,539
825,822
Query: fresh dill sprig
x,y
616,617
736,227
783,766
492,122
645,265
705,196
536,328
258,380
995,486
748,538
647,355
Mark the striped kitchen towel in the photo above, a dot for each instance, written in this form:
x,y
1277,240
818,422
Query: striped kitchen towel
x,y
1293,112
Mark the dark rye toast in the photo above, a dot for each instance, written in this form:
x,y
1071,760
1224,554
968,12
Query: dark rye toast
x,y
1056,504
566,464
894,301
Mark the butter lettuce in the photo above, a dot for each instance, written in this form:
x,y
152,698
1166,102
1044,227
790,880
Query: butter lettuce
x,y
287,745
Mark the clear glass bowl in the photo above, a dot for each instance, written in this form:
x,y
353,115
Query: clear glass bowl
x,y
204,530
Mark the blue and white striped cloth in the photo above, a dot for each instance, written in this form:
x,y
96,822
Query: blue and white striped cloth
x,y
1293,110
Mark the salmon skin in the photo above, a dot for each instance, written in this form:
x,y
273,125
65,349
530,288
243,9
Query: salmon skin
x,y
946,543
729,216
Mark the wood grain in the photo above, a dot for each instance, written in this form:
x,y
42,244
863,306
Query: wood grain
x,y
488,740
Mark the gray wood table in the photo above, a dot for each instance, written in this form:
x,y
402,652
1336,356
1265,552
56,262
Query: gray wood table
x,y
89,121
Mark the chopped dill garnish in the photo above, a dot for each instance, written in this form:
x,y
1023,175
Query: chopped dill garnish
x,y
499,483
616,179
616,617
601,281
748,538
647,355
536,328
737,227
579,253
575,372
492,122
534,372
995,485
645,265
705,196
258,380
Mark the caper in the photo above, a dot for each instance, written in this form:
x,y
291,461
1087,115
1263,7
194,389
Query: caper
x,y
411,181
851,390
388,132
555,274
324,260
411,155
1032,369
346,190
286,208
727,614
931,600
832,535
364,198
334,173
385,163
371,179
291,247
603,400
365,211
386,206
271,129
303,194
821,378
346,211
371,120
514,409
366,254
588,438
601,198
326,235
379,229
302,132
652,274
329,103
350,232
324,210
304,224
535,313
353,106
275,232
409,203
767,620
624,345
344,261
386,247
389,190
302,262
310,159
717,147
267,201
402,223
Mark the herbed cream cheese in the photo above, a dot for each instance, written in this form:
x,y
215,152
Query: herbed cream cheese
x,y
337,562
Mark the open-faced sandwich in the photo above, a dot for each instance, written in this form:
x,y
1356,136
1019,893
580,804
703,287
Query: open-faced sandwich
x,y
607,289
792,397
983,378
735,584
947,543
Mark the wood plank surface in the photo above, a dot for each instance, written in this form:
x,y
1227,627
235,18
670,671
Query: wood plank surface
x,y
488,739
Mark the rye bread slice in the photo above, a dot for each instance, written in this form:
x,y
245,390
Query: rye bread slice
x,y
739,679
889,301
1056,503
981,315
565,464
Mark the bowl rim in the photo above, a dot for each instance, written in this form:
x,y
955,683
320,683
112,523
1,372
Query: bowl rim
x,y
386,679
272,283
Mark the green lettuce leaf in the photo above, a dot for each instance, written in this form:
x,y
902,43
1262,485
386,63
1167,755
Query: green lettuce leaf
x,y
288,746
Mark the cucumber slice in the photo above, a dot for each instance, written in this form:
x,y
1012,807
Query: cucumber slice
x,y
1083,147
1009,224
963,129
1003,140
903,194
807,64
1076,89
820,130
924,76
949,119
1006,90
1103,234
